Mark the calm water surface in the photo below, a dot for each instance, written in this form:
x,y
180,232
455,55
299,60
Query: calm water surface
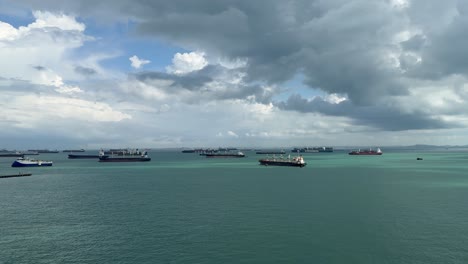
x,y
184,208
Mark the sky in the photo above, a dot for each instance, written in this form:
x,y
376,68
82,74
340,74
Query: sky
x,y
266,73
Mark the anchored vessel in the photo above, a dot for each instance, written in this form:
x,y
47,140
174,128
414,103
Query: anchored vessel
x,y
313,150
11,154
270,152
43,151
366,152
26,162
122,158
82,156
73,150
297,161
225,155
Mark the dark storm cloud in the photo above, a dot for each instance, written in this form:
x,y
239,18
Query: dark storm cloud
x,y
379,116
85,70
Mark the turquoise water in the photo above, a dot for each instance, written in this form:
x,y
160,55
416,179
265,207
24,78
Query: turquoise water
x,y
184,208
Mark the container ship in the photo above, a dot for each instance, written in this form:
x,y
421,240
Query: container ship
x,y
366,152
225,155
290,162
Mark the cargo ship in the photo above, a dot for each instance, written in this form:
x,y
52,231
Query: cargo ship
x,y
272,152
297,161
123,158
73,150
11,154
122,152
366,152
82,156
43,151
225,155
26,162
312,150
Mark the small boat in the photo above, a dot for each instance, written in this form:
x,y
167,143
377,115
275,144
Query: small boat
x,y
366,152
26,162
225,155
419,158
297,161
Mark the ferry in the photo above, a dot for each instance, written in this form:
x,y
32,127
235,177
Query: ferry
x,y
297,161
26,162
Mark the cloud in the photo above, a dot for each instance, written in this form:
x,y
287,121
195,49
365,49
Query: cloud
x,y
59,21
40,50
183,63
232,134
385,66
137,62
85,70
213,82
382,117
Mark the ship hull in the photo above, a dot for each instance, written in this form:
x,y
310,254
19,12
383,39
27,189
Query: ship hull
x,y
31,164
73,150
270,152
130,159
224,156
365,154
73,156
11,155
281,163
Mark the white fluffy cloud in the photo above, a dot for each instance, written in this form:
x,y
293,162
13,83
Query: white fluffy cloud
x,y
40,50
38,78
60,21
137,62
183,63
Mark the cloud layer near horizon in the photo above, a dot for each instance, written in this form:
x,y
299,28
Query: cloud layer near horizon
x,y
391,64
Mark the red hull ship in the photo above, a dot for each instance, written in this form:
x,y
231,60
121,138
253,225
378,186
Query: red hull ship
x,y
366,152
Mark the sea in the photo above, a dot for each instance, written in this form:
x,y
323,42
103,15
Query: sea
x,y
185,208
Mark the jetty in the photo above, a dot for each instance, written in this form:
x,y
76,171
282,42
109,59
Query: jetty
x,y
15,175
